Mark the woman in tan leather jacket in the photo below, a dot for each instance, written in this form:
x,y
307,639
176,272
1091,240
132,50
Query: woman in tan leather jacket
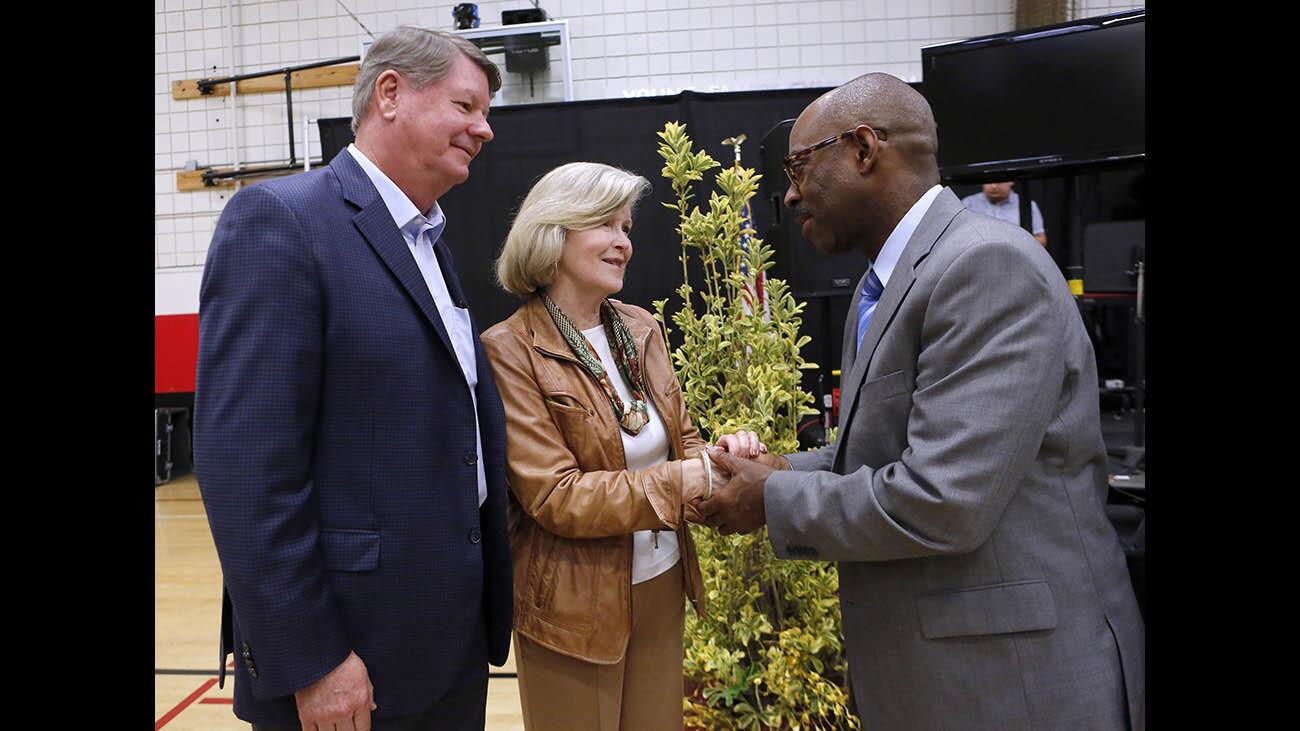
x,y
602,462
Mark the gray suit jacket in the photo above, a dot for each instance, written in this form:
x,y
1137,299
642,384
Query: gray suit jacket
x,y
982,586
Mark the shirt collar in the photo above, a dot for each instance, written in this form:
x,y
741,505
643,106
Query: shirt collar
x,y
400,207
897,241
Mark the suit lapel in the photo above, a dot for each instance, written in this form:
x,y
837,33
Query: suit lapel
x,y
848,355
376,224
900,282
935,221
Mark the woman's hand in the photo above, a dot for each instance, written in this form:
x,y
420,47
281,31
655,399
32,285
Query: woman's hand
x,y
743,444
694,481
696,485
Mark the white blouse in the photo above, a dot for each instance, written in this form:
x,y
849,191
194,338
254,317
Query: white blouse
x,y
645,450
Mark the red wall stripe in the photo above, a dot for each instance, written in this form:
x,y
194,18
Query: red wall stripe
x,y
175,351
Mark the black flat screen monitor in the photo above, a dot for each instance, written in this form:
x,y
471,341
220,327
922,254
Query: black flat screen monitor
x,y
1036,102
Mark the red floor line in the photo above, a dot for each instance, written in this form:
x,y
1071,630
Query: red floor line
x,y
173,713
226,701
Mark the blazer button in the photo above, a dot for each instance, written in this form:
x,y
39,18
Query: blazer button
x,y
471,459
474,535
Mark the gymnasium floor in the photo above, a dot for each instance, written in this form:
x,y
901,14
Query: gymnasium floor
x,y
187,615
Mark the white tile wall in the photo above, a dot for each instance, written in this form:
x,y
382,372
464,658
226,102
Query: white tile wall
x,y
1090,8
620,48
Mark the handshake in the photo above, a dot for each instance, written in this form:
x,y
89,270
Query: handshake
x,y
723,489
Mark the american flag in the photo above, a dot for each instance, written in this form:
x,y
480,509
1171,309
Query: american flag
x,y
755,291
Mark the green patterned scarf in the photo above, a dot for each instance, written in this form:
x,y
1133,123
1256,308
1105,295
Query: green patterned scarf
x,y
632,417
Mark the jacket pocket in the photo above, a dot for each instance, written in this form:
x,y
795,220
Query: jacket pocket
x,y
350,550
1019,606
562,582
574,420
885,387
566,404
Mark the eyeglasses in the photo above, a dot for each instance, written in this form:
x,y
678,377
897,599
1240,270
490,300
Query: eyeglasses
x,y
794,162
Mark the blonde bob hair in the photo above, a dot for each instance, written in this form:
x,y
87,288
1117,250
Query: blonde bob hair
x,y
573,197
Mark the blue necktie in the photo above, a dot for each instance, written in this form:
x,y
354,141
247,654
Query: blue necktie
x,y
871,289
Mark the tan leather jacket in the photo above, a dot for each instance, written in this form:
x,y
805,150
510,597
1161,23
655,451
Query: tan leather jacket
x,y
573,504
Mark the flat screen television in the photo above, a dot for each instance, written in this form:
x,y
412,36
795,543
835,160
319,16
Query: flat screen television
x,y
1037,102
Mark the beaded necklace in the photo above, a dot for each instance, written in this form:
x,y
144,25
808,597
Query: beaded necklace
x,y
631,416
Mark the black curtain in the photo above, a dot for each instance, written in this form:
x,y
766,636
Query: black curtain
x,y
532,139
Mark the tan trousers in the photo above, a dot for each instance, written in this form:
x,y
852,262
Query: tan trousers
x,y
641,693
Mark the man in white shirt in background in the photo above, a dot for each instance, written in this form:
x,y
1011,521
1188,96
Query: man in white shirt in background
x,y
999,201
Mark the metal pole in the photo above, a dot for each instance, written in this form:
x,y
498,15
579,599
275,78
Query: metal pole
x,y
1139,348
1073,236
234,89
207,86
288,102
1026,211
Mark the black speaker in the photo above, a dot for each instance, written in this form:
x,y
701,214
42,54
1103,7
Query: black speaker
x,y
1111,251
807,271
527,15
823,322
526,53
335,134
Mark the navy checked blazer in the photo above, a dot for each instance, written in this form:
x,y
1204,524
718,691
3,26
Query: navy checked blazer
x,y
335,451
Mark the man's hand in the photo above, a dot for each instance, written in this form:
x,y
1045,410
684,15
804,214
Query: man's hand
x,y
692,515
737,504
775,461
340,701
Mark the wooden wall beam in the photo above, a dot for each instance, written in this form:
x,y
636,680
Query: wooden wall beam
x,y
1035,13
339,75
192,180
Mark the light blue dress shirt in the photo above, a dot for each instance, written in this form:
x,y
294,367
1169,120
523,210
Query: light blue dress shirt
x,y
897,241
883,265
423,231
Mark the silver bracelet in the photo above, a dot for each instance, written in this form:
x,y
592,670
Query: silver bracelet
x,y
708,475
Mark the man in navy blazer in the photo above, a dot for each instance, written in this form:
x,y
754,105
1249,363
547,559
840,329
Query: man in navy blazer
x,y
349,439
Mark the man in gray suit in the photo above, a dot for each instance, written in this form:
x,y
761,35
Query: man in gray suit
x,y
981,585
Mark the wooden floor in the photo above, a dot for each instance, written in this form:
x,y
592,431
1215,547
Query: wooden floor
x,y
187,615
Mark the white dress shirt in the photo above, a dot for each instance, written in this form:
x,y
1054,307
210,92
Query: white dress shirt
x,y
423,231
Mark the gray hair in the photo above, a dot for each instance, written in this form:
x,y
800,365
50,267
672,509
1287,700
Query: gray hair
x,y
422,56
576,196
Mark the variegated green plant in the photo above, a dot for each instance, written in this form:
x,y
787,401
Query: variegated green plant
x,y
769,654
